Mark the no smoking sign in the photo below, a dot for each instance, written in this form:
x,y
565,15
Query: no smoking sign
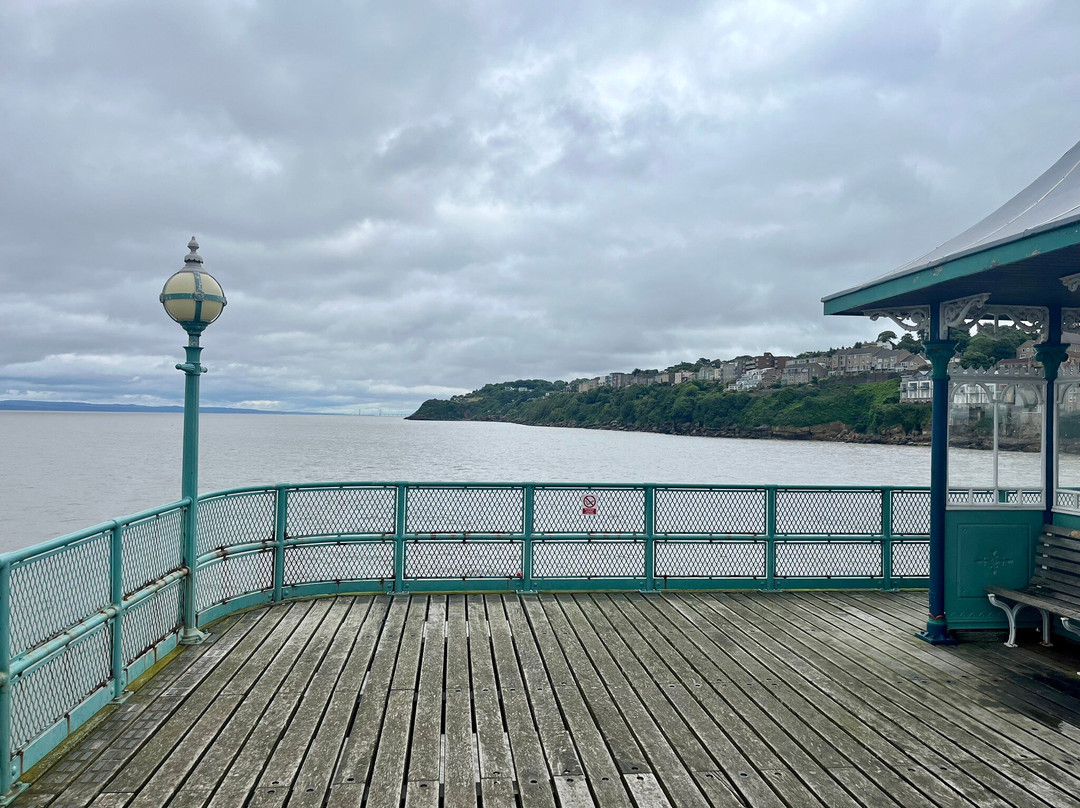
x,y
588,505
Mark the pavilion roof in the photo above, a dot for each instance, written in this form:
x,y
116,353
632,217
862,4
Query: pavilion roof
x,y
1018,254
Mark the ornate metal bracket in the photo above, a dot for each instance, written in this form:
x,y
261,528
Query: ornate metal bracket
x,y
963,312
1071,282
916,319
1070,321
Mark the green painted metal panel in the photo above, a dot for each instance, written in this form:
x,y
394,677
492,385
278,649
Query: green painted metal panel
x,y
986,548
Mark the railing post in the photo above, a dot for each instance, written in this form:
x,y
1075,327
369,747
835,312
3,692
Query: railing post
x,y
770,537
280,521
116,588
7,768
650,538
399,537
527,546
886,538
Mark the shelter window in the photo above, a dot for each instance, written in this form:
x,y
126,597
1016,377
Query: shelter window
x,y
996,443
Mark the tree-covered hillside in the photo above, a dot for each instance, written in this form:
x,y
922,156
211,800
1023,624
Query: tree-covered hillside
x,y
831,406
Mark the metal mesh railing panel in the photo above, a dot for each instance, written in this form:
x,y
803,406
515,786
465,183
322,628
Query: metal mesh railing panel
x,y
468,559
719,559
54,688
223,579
827,512
352,561
354,511
1064,498
695,511
236,519
150,621
562,510
152,549
833,559
911,513
434,510
56,590
594,559
911,559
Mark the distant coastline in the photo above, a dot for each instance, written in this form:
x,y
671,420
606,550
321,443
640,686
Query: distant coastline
x,y
17,405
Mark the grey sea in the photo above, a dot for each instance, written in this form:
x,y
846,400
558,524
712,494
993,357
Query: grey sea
x,y
66,471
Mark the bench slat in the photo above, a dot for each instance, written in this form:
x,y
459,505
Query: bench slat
x,y
1057,530
1057,552
1059,541
1038,601
1058,565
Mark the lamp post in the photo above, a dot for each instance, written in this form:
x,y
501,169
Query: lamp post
x,y
194,299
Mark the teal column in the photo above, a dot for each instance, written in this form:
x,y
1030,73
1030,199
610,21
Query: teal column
x,y
189,486
886,539
770,537
116,587
281,516
939,352
7,768
400,516
528,518
1050,355
650,538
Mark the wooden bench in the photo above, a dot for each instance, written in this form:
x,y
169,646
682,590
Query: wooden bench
x,y
1054,587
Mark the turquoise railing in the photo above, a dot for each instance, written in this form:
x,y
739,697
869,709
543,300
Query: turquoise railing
x,y
84,615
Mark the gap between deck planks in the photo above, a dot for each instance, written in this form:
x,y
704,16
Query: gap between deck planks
x,y
707,699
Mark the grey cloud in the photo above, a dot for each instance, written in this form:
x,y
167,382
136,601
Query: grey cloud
x,y
432,195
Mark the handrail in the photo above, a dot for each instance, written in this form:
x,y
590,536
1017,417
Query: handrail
x,y
101,605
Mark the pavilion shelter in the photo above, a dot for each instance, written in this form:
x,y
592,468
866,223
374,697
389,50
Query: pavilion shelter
x,y
1018,267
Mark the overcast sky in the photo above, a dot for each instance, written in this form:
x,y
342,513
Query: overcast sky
x,y
413,198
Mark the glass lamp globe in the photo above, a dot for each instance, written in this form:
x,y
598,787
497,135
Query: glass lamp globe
x,y
192,296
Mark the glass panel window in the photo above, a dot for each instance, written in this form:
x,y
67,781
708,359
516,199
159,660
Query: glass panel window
x,y
995,442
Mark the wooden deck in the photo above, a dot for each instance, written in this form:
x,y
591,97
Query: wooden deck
x,y
792,699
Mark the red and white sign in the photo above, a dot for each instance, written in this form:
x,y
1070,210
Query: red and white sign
x,y
588,505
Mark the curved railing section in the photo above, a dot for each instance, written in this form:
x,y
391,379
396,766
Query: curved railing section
x,y
85,614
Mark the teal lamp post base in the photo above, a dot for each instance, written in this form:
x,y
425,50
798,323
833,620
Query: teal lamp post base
x,y
937,632
17,788
193,636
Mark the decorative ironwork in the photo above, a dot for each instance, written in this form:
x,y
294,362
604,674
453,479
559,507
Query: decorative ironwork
x,y
961,313
916,319
1071,282
1070,320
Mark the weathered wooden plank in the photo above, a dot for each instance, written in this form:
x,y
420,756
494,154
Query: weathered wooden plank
x,y
283,695
134,723
671,765
809,743
912,724
290,752
533,777
745,770
218,684
603,774
621,742
367,721
422,794
460,754
426,748
388,776
315,776
493,751
555,739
